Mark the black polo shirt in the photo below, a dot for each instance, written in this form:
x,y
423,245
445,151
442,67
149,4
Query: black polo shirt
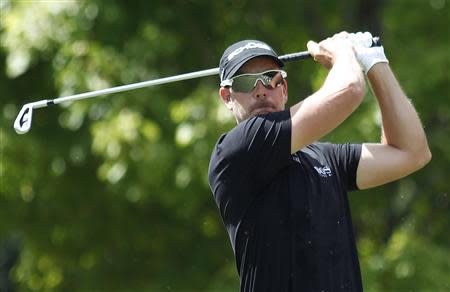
x,y
287,216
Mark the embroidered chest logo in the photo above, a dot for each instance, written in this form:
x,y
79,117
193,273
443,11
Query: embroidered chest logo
x,y
323,171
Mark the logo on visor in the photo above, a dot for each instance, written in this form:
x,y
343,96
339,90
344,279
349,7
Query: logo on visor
x,y
251,45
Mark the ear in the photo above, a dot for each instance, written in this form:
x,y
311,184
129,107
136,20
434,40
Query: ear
x,y
285,91
225,94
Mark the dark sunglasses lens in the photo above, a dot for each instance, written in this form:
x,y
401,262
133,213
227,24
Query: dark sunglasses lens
x,y
246,83
276,80
271,74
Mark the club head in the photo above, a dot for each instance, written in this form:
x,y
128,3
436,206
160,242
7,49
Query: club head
x,y
23,120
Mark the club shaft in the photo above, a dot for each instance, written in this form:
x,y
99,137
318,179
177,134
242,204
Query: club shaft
x,y
186,76
138,85
22,124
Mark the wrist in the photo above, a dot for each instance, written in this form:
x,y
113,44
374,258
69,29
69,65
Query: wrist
x,y
378,70
345,57
369,57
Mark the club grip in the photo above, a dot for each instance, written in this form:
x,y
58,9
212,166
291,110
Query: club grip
x,y
376,42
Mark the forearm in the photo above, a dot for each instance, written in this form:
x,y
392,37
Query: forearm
x,y
346,75
402,128
404,148
320,113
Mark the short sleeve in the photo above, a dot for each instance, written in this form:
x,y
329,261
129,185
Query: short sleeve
x,y
345,158
348,158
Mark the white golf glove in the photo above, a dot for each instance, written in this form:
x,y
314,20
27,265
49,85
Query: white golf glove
x,y
366,54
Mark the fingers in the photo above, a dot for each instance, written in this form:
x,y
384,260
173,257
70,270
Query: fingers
x,y
342,35
320,53
326,51
337,40
341,45
363,39
313,48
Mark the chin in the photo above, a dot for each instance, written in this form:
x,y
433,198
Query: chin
x,y
263,111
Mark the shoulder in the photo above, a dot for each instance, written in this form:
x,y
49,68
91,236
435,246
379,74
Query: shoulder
x,y
256,129
261,145
325,151
261,122
319,149
327,148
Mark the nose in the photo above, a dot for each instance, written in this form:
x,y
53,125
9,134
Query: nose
x,y
260,91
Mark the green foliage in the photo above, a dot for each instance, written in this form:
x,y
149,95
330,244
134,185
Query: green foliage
x,y
112,194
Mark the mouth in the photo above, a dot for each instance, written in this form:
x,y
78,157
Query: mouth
x,y
262,109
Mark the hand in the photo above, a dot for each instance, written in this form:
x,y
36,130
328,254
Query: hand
x,y
367,56
329,50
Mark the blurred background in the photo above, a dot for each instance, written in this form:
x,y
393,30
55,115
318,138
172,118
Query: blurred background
x,y
111,194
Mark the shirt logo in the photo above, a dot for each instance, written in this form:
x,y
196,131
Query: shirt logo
x,y
323,171
251,45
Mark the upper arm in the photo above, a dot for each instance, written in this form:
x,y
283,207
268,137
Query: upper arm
x,y
381,163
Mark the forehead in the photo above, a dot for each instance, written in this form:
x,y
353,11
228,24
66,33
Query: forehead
x,y
258,64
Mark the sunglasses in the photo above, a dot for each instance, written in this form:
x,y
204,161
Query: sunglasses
x,y
245,83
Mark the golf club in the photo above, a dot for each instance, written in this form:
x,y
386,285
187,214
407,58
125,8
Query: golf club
x,y
22,123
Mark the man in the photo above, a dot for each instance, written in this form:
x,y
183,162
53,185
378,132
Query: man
x,y
282,196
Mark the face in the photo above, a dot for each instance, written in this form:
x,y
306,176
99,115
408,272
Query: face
x,y
262,99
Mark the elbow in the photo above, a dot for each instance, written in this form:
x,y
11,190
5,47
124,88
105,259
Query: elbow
x,y
426,157
422,158
357,90
359,85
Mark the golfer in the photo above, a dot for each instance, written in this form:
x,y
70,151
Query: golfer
x,y
283,196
